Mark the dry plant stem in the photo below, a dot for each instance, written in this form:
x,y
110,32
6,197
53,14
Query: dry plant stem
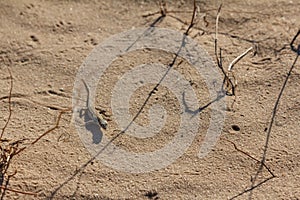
x,y
230,73
163,8
9,103
264,155
12,149
48,131
18,191
230,86
278,100
193,19
219,57
163,11
237,59
35,141
216,40
55,127
166,12
247,154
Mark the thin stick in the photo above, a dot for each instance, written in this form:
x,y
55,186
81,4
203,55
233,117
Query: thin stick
x,y
216,38
9,103
18,191
193,18
163,8
275,109
52,129
237,59
219,59
247,154
48,131
226,80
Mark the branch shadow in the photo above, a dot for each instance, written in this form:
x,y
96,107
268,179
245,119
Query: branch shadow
x,y
87,118
221,94
80,170
266,146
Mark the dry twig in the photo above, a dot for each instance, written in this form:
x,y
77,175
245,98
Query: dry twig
x,y
229,81
193,18
247,154
10,149
163,10
269,130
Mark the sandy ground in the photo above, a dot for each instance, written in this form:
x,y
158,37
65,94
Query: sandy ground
x,y
47,41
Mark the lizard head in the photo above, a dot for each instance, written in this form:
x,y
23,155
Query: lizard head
x,y
103,123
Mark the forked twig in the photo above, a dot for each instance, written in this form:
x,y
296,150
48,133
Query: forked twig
x,y
229,85
53,128
48,131
193,18
247,154
164,11
218,57
230,73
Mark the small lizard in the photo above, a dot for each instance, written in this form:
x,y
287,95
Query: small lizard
x,y
97,117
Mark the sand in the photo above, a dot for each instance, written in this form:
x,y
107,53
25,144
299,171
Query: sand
x,y
47,42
